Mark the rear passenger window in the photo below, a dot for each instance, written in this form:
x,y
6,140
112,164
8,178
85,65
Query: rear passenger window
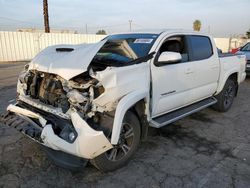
x,y
201,48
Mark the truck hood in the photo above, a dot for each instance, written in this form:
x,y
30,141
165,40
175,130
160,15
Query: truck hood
x,y
66,61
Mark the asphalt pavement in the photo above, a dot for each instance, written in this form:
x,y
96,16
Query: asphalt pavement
x,y
207,149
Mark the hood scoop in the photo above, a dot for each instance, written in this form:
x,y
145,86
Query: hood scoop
x,y
64,49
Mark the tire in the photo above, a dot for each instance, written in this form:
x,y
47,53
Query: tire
x,y
226,96
65,160
128,142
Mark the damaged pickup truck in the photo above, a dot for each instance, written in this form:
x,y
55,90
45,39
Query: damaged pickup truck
x,y
95,102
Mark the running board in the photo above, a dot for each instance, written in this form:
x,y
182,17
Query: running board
x,y
181,113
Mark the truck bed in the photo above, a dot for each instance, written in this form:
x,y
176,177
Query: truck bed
x,y
232,63
226,55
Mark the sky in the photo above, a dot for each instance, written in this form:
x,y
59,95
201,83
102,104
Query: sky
x,y
221,18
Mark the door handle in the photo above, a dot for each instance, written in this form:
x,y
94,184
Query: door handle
x,y
189,71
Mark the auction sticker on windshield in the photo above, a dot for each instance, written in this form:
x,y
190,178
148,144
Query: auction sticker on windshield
x,y
147,41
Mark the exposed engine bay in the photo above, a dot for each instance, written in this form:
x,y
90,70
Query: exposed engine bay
x,y
53,90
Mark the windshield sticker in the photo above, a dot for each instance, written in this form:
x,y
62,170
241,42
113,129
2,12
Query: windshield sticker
x,y
144,41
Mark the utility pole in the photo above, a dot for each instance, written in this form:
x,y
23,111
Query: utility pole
x,y
86,29
130,25
46,16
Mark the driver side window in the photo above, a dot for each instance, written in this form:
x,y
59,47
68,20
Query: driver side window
x,y
176,44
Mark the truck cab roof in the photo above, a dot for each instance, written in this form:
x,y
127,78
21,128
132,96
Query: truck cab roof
x,y
164,32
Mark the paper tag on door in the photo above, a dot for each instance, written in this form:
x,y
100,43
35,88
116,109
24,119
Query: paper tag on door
x,y
144,41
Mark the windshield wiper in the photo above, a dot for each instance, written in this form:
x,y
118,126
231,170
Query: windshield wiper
x,y
141,59
114,63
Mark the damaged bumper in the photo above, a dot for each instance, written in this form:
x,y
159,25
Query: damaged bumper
x,y
76,137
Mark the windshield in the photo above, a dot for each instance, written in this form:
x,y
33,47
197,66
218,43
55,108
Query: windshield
x,y
246,47
124,48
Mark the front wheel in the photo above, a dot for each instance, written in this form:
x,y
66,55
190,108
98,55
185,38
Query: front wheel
x,y
121,153
226,96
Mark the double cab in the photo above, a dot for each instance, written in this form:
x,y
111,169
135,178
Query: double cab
x,y
95,102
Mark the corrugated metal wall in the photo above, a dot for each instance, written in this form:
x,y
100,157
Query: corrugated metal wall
x,y
18,46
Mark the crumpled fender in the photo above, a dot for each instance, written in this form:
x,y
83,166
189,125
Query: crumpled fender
x,y
89,143
124,104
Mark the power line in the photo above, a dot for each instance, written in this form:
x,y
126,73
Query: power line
x,y
109,26
60,26
138,25
16,20
87,27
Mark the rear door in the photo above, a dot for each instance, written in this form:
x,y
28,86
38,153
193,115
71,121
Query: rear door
x,y
205,59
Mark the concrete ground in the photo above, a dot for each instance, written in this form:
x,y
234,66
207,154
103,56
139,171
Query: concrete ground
x,y
208,149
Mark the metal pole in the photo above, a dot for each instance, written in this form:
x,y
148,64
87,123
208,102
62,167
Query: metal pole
x,y
86,28
46,16
130,25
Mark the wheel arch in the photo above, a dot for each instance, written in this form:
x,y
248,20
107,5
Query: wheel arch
x,y
139,109
234,76
132,101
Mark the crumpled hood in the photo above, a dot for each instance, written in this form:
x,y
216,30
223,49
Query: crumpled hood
x,y
66,64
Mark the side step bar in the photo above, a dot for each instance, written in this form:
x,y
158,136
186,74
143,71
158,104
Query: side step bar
x,y
181,113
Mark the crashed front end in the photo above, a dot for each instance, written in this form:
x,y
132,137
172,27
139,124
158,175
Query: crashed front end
x,y
69,104
58,113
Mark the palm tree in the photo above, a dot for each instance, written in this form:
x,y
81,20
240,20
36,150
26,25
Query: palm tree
x,y
101,32
197,25
248,34
46,16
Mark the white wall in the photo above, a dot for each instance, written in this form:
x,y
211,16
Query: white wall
x,y
18,46
227,44
222,43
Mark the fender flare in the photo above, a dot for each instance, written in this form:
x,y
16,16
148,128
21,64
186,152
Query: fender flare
x,y
225,78
124,104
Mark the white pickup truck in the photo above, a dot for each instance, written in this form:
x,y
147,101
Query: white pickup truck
x,y
95,102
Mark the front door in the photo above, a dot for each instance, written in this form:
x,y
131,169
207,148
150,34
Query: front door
x,y
180,84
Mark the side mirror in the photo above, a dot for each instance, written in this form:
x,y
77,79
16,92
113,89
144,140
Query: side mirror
x,y
169,58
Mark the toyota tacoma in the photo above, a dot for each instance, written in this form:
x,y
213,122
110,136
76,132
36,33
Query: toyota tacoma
x,y
95,102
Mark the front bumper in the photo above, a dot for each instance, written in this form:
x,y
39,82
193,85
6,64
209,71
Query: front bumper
x,y
88,143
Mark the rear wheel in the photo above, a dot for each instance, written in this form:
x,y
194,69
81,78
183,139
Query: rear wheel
x,y
226,96
126,147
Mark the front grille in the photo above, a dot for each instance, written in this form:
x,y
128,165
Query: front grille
x,y
48,90
32,128
61,126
